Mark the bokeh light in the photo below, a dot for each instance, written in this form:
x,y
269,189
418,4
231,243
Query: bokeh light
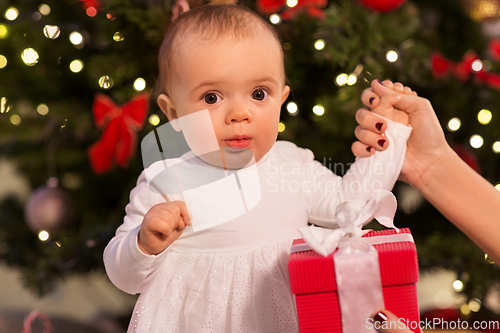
x,y
474,305
443,299
292,108
42,109
351,80
76,66
484,117
106,82
139,84
458,285
477,65
15,119
76,38
91,11
36,16
476,141
43,235
281,127
292,3
4,105
391,56
319,44
51,31
341,80
454,124
496,147
29,56
3,31
44,9
154,119
275,19
11,13
3,61
319,110
118,37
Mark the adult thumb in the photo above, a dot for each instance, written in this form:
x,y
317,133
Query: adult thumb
x,y
387,322
407,103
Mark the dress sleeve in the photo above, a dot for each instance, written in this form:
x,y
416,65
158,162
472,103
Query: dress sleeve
x,y
365,176
127,266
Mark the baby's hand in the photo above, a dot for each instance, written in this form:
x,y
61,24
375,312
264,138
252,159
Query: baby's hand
x,y
162,225
381,99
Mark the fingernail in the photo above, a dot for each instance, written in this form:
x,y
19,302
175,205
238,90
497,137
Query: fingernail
x,y
381,142
379,126
380,82
371,100
369,149
380,317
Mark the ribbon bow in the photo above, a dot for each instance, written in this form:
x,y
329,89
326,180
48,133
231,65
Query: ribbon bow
x,y
312,7
117,143
464,70
351,216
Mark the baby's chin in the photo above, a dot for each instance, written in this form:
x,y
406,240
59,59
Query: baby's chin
x,y
232,158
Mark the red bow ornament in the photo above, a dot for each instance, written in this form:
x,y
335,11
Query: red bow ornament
x,y
312,7
91,3
464,70
118,140
494,48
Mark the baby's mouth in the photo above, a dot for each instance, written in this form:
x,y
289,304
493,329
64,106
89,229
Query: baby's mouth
x,y
239,141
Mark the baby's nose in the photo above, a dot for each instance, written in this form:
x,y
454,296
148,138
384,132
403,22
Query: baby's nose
x,y
239,112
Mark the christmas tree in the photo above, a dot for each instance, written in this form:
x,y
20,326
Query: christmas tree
x,y
61,59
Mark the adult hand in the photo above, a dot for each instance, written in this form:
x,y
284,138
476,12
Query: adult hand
x,y
387,322
427,143
179,7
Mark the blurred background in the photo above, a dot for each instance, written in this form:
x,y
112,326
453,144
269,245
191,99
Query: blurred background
x,y
76,98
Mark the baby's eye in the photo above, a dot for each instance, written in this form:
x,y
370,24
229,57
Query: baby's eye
x,y
259,94
211,98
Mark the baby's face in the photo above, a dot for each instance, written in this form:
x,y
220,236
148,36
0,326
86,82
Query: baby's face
x,y
239,82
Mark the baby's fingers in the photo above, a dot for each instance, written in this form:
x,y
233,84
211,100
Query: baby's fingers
x,y
370,121
369,138
401,89
181,214
174,213
359,149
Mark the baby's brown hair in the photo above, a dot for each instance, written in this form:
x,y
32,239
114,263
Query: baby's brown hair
x,y
206,23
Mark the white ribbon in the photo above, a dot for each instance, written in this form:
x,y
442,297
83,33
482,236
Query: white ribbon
x,y
357,270
351,216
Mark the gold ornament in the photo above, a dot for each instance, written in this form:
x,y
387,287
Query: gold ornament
x,y
481,10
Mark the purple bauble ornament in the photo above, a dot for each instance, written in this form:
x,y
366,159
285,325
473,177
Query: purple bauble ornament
x,y
48,208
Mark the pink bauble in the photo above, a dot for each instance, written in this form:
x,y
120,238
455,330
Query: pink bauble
x,y
48,208
382,5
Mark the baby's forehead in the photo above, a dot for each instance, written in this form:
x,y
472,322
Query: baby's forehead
x,y
194,39
193,36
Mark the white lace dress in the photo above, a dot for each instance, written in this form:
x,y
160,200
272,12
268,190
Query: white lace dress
x,y
233,277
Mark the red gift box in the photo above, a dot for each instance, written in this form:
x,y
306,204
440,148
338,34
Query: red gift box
x,y
312,279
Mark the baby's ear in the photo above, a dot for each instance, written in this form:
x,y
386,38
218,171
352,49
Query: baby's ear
x,y
286,92
168,108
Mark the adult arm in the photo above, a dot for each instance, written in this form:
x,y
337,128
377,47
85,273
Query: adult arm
x,y
431,166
